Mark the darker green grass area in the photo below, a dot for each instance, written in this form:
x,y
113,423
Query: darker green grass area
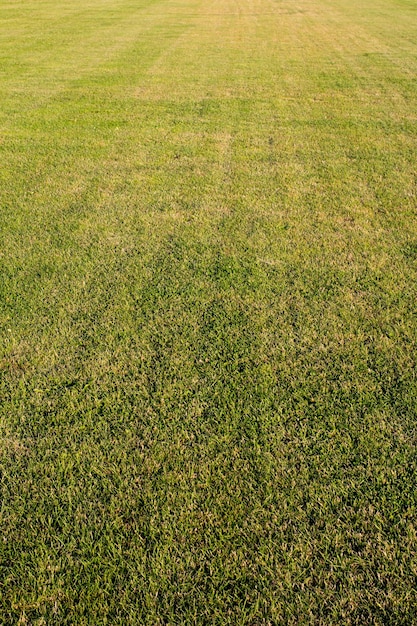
x,y
207,306
212,463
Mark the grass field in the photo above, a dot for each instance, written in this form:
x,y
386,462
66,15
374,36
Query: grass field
x,y
208,248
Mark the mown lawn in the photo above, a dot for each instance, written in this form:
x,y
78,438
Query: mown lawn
x,y
208,248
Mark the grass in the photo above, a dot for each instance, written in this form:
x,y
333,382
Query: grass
x,y
208,247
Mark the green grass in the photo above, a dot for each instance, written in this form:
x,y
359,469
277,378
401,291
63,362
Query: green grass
x,y
208,248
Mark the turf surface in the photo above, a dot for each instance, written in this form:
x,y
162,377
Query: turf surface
x,y
208,248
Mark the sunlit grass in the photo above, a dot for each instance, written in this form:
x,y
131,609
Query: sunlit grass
x,y
208,247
